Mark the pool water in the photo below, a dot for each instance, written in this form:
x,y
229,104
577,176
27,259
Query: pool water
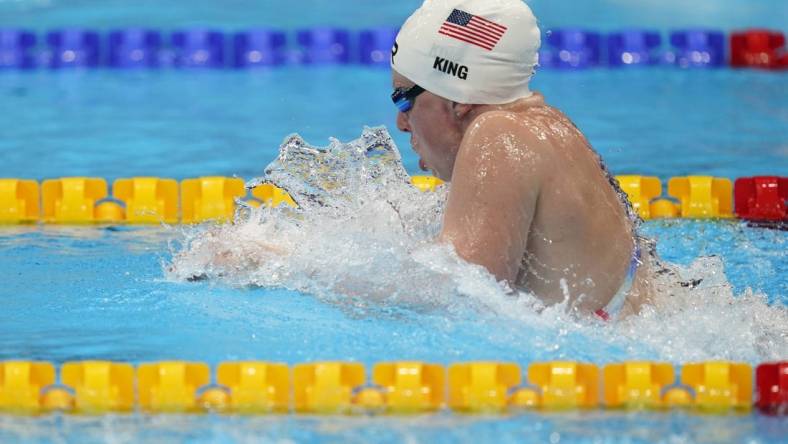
x,y
71,293
602,15
658,121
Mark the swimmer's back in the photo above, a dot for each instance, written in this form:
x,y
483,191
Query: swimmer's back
x,y
580,240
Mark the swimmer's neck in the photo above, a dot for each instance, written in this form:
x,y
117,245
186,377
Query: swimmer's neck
x,y
519,105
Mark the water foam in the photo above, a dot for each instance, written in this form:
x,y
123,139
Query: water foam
x,y
362,238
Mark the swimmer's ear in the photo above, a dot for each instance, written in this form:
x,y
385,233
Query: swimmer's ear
x,y
461,109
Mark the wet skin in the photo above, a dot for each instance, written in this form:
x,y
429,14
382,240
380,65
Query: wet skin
x,y
528,199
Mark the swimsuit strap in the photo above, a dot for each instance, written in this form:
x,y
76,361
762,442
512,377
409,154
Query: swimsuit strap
x,y
614,306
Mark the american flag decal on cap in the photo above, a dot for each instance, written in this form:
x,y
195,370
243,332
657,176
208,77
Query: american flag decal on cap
x,y
472,29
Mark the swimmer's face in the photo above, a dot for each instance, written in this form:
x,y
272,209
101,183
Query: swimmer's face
x,y
435,130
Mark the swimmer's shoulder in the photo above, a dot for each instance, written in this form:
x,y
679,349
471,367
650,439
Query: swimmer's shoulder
x,y
498,144
508,130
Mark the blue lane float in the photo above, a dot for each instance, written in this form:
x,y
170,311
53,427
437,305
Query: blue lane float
x,y
198,48
375,46
72,48
633,47
16,47
324,45
570,48
259,48
134,48
697,48
567,48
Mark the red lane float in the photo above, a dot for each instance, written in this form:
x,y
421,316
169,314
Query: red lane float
x,y
758,48
771,381
761,198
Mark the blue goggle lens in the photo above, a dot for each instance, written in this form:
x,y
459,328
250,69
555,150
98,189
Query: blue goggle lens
x,y
404,105
403,98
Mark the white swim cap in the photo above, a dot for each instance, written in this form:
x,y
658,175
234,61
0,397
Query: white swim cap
x,y
470,51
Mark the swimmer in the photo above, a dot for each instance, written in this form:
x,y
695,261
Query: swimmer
x,y
529,199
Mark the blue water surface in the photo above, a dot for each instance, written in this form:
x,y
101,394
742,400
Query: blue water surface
x,y
71,293
659,121
602,15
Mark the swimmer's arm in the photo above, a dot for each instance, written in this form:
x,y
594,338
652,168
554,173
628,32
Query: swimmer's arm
x,y
494,191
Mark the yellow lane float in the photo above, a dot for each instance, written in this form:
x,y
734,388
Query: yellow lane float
x,y
72,199
411,387
148,199
326,387
171,386
19,201
256,387
210,199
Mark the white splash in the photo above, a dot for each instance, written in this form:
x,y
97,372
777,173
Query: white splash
x,y
362,237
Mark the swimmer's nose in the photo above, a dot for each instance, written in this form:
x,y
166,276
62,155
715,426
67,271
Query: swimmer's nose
x,y
402,122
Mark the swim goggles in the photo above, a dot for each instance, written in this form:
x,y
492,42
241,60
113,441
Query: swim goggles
x,y
403,97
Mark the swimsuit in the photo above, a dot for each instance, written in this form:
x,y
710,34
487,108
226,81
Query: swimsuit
x,y
613,307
